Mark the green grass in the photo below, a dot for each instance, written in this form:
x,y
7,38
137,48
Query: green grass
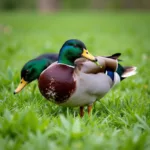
x,y
121,120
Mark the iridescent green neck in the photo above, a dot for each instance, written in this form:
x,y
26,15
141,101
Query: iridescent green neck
x,y
64,60
68,55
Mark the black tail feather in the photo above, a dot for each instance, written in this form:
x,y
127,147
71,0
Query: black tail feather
x,y
115,56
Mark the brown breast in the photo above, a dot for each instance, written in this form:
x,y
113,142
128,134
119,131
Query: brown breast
x,y
56,83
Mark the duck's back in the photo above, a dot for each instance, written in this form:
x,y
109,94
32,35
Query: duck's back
x,y
51,56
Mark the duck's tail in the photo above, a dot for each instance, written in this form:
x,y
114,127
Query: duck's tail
x,y
125,72
121,73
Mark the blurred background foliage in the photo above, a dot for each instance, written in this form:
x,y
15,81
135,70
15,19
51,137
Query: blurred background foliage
x,y
55,5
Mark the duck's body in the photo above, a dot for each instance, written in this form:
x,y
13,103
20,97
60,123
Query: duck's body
x,y
87,93
80,85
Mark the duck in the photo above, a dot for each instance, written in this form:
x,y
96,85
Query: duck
x,y
33,68
79,79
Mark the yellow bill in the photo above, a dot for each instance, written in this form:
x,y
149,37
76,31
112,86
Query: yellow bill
x,y
89,56
22,84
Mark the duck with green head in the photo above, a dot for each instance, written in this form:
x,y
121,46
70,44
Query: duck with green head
x,y
33,68
76,79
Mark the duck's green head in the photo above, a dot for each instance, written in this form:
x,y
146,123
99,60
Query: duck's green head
x,y
31,71
73,49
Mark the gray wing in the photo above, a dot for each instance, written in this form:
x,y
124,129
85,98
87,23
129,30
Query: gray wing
x,y
90,67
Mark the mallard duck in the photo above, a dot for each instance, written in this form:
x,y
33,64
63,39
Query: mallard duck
x,y
33,68
78,78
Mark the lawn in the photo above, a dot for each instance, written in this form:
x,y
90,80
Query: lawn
x,y
121,120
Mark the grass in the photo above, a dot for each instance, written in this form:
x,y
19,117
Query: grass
x,y
121,120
